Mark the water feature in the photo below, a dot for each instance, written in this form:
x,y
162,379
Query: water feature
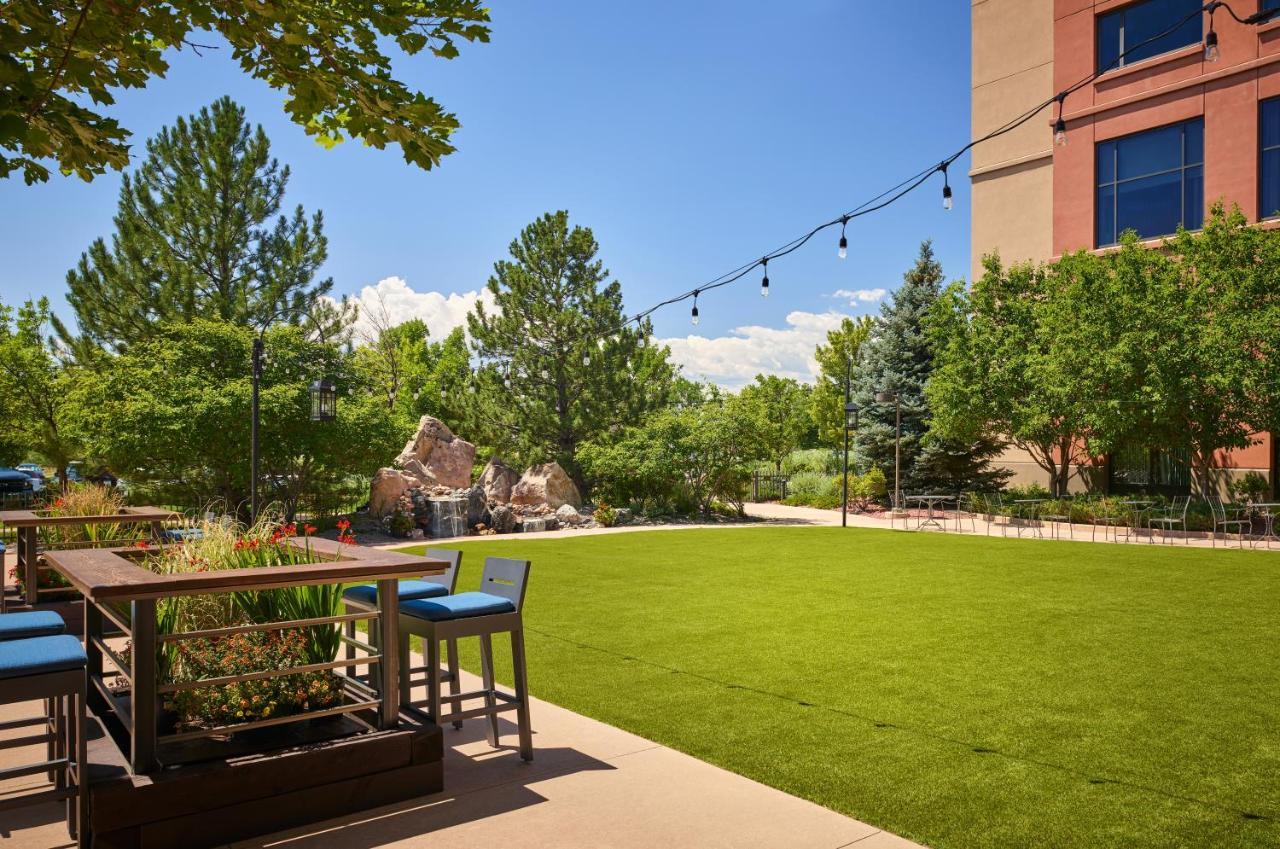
x,y
448,517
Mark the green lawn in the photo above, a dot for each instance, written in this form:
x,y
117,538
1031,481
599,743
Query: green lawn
x,y
960,691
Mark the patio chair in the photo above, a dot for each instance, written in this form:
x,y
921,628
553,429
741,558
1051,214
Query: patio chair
x,y
1057,517
495,609
967,507
1174,517
364,599
1225,516
50,667
1105,516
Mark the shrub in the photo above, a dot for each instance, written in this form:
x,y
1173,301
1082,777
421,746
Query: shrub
x,y
1252,487
1031,490
818,460
605,516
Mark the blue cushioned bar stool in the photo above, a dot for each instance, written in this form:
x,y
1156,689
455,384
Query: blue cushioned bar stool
x,y
35,623
50,668
364,599
494,610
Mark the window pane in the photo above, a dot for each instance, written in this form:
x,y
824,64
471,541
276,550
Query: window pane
x,y
1107,162
1109,39
1269,203
1271,121
1106,216
1152,206
1193,198
1193,138
1149,152
1145,21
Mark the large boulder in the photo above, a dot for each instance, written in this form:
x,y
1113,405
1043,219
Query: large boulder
x,y
436,457
546,484
497,480
502,519
567,514
477,507
385,491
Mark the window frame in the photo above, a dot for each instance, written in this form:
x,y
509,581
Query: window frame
x,y
1121,63
1262,150
1116,181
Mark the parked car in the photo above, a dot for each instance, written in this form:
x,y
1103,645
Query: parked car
x,y
15,485
33,471
77,472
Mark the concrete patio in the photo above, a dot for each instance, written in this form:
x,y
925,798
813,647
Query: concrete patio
x,y
590,786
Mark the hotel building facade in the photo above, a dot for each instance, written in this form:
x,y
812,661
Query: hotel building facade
x,y
1151,143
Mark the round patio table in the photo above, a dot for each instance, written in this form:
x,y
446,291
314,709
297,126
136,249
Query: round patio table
x,y
929,502
1139,507
1269,517
1028,510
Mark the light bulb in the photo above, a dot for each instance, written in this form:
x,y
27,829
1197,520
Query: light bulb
x,y
764,287
586,360
694,319
843,253
1211,47
946,197
1060,133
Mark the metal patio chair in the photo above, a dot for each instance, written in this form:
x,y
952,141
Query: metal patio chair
x,y
1226,516
1105,516
1174,517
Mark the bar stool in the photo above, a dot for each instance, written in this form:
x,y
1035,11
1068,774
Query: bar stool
x,y
50,668
493,610
364,598
35,623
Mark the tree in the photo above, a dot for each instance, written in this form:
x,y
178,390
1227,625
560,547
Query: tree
x,y
779,408
330,58
172,414
35,387
899,358
559,363
835,359
195,238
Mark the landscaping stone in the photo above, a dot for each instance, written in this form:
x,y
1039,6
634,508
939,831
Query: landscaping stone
x,y
385,491
448,517
502,519
547,484
436,457
567,514
624,516
477,507
497,480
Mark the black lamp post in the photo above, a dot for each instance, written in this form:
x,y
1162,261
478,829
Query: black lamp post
x,y
324,407
850,425
884,398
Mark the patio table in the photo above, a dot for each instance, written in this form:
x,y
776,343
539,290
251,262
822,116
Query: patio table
x,y
1031,506
1269,517
929,502
117,589
1139,507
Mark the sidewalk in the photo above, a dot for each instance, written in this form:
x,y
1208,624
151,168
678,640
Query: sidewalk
x,y
590,786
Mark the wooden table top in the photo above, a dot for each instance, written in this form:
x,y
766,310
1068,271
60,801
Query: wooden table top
x,y
31,518
108,574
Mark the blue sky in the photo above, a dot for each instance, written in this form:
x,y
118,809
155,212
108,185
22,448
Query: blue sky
x,y
691,137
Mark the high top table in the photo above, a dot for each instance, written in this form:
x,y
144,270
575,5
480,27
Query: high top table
x,y
116,588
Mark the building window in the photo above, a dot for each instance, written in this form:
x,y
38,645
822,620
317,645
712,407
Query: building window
x,y
1151,182
1129,35
1269,167
1135,469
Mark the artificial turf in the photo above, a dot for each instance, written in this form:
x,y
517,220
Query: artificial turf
x,y
959,691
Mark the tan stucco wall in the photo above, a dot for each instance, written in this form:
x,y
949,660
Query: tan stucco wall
x,y
1011,176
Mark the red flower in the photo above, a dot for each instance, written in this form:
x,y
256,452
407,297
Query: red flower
x,y
240,544
276,537
347,539
254,543
308,529
343,524
142,543
289,530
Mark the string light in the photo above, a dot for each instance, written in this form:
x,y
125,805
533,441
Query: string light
x,y
844,242
694,314
946,186
1211,43
1060,125
764,284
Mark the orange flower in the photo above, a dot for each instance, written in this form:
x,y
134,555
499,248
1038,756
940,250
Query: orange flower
x,y
343,524
142,544
308,529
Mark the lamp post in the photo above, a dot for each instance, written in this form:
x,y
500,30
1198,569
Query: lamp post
x,y
324,404
850,425
885,397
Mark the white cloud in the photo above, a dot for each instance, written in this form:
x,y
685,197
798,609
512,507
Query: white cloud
x,y
860,296
734,360
393,301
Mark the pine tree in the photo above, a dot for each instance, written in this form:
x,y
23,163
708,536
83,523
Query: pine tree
x,y
898,358
558,366
195,238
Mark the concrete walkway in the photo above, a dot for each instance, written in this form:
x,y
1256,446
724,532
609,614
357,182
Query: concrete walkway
x,y
590,786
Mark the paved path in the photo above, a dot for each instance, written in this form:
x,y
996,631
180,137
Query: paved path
x,y
590,786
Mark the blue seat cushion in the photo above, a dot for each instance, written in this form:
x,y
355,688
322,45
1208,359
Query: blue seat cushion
x,y
460,606
368,593
183,534
30,623
40,655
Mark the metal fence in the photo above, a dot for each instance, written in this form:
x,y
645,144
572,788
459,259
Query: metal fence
x,y
768,487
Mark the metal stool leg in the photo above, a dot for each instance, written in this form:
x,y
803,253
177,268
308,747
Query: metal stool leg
x,y
406,689
486,672
522,693
455,686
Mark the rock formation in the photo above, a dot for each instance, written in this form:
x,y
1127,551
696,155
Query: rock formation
x,y
436,457
546,484
497,480
385,491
